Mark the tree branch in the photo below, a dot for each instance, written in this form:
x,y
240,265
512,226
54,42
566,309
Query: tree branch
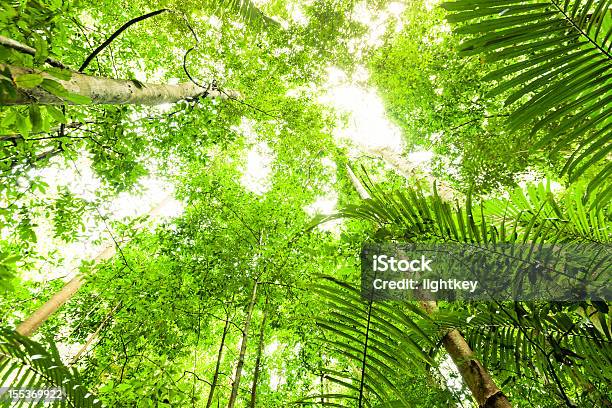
x,y
17,46
116,34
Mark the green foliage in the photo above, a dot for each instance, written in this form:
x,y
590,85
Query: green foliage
x,y
383,349
8,267
157,321
439,102
67,212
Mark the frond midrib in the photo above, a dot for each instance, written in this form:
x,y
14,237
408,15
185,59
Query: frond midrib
x,y
580,30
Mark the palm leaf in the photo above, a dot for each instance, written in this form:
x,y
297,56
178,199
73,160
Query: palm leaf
x,y
532,333
27,364
559,74
247,11
379,343
511,336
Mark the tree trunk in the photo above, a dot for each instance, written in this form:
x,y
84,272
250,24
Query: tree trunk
x,y
363,193
262,332
36,319
213,384
102,90
243,347
474,375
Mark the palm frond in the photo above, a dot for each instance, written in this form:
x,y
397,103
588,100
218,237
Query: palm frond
x,y
247,11
560,73
27,364
525,338
573,220
529,215
378,342
511,338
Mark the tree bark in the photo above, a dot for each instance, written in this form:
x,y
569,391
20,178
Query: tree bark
x,y
243,347
474,375
93,336
257,370
36,319
363,193
213,384
102,90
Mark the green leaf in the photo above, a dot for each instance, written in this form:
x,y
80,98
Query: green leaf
x,y
42,51
53,87
23,125
77,99
59,73
56,113
28,80
35,118
58,90
9,118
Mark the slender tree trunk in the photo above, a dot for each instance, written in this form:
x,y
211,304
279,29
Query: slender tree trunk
x,y
36,319
322,388
363,193
243,347
102,90
262,333
474,375
213,384
93,336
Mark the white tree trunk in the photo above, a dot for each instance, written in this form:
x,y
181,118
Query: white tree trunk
x,y
102,90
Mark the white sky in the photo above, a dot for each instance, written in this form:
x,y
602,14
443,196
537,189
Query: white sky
x,y
367,124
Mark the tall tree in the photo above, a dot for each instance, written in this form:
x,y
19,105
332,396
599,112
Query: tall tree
x,y
213,383
37,87
474,374
243,347
260,346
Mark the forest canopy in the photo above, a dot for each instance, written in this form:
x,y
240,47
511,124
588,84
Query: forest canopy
x,y
189,191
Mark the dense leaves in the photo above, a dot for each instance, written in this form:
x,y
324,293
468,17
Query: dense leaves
x,y
249,294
